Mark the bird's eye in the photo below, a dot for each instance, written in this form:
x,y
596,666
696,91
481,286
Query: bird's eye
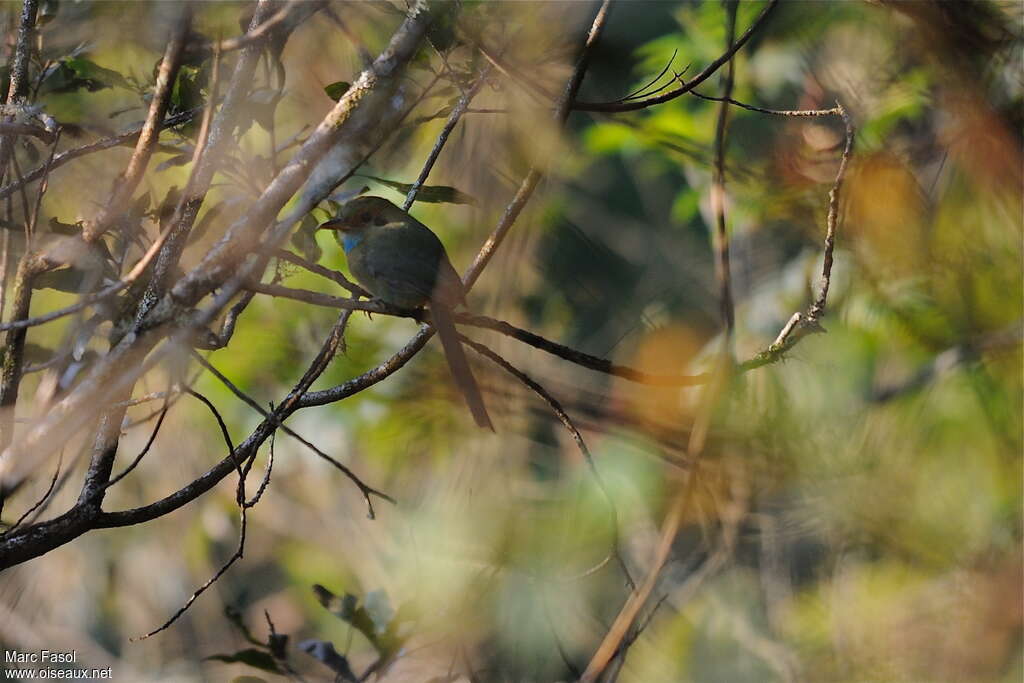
x,y
365,217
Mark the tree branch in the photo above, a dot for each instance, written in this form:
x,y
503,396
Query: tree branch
x,y
634,105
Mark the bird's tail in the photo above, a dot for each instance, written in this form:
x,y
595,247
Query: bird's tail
x,y
459,365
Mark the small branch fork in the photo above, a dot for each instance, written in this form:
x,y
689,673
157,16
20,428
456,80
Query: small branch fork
x,y
800,324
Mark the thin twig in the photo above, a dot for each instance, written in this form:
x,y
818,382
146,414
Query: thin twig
x,y
366,490
27,217
260,32
800,325
669,530
89,299
708,71
577,438
639,92
237,555
10,128
442,138
17,89
148,136
49,489
568,353
44,183
332,275
97,146
145,449
797,113
196,488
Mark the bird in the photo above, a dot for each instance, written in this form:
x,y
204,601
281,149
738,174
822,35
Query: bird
x,y
403,263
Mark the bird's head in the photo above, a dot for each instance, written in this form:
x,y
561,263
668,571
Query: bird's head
x,y
361,213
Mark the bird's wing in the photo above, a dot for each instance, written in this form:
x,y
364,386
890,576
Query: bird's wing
x,y
403,261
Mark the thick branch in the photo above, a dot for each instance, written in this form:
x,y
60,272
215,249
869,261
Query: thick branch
x,y
19,74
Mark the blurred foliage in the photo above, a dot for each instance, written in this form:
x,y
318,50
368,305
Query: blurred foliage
x,y
871,480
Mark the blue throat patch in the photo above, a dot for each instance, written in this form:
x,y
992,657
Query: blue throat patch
x,y
350,241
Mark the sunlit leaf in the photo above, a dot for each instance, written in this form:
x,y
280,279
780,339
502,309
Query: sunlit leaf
x,y
62,279
304,239
78,72
65,228
337,89
433,194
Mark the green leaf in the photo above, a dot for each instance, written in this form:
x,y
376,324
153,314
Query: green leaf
x,y
304,239
337,89
32,353
433,194
92,76
262,105
62,279
188,88
376,620
47,11
65,228
257,659
441,32
177,160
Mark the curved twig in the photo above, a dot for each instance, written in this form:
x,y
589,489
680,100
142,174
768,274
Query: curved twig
x,y
708,71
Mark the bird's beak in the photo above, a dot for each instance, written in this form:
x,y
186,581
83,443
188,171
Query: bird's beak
x,y
333,224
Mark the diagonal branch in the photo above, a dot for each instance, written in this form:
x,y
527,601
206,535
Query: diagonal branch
x,y
144,146
709,70
366,490
93,147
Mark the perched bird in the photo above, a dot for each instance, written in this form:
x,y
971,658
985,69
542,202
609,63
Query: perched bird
x,y
402,262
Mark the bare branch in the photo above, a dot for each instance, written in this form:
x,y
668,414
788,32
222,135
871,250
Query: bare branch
x,y
93,147
49,489
19,74
129,180
332,275
145,449
484,322
721,235
204,483
292,13
800,325
237,555
366,490
11,128
449,125
708,71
